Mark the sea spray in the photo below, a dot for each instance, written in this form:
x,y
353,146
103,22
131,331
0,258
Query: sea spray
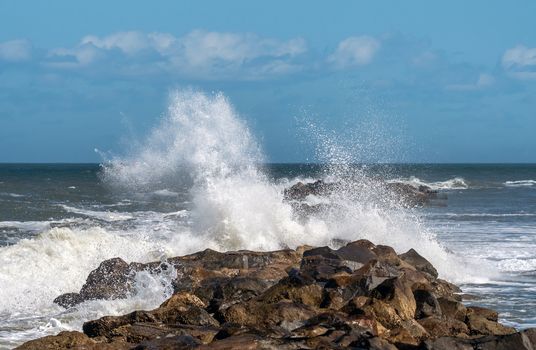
x,y
202,145
236,206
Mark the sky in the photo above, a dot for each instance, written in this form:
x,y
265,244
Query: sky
x,y
393,81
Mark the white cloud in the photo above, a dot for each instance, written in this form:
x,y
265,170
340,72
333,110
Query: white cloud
x,y
519,56
520,62
132,42
15,50
198,53
202,48
355,51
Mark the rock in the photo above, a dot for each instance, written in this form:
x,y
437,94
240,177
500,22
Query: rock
x,y
413,258
111,280
360,295
443,327
410,195
397,294
426,304
68,300
180,342
479,325
301,190
524,340
452,309
254,314
64,340
104,326
294,290
488,314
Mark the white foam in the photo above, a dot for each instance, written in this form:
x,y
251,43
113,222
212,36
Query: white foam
x,y
456,183
202,141
520,183
109,216
26,225
236,207
13,195
166,193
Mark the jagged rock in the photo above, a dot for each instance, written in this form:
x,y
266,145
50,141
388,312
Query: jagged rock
x,y
441,327
426,304
397,294
302,190
523,340
453,309
360,295
479,325
488,314
415,259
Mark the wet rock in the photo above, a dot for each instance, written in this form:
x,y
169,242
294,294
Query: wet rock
x,y
111,280
360,295
68,300
411,195
415,259
301,190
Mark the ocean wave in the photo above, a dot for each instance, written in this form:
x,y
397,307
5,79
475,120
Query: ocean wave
x,y
165,193
13,195
520,183
517,265
109,216
456,183
36,226
491,215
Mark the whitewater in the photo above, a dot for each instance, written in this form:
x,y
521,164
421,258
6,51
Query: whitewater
x,y
200,180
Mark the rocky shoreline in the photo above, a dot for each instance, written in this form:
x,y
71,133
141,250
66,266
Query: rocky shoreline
x,y
360,296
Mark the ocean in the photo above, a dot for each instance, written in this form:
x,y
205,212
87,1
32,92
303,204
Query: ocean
x,y
58,221
200,181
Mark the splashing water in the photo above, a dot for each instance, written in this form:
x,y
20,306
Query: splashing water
x,y
235,206
200,144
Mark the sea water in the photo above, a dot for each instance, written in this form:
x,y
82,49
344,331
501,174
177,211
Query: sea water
x,y
200,180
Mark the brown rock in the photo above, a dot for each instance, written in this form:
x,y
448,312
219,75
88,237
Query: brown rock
x,y
453,309
415,259
488,314
399,295
426,304
441,327
64,340
479,325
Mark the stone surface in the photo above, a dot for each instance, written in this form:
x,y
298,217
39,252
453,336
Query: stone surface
x,y
361,296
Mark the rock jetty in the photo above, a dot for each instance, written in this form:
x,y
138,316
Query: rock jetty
x,y
359,296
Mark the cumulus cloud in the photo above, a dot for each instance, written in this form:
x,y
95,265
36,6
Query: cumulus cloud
x,y
198,53
520,62
354,51
15,50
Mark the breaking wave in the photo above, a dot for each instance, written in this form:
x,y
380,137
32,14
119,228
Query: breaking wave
x,y
520,183
201,144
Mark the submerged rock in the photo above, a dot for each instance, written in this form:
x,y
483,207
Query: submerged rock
x,y
361,296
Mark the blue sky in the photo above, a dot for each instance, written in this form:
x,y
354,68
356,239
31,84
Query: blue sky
x,y
415,81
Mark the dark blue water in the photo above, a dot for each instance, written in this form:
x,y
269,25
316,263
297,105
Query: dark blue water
x,y
57,222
